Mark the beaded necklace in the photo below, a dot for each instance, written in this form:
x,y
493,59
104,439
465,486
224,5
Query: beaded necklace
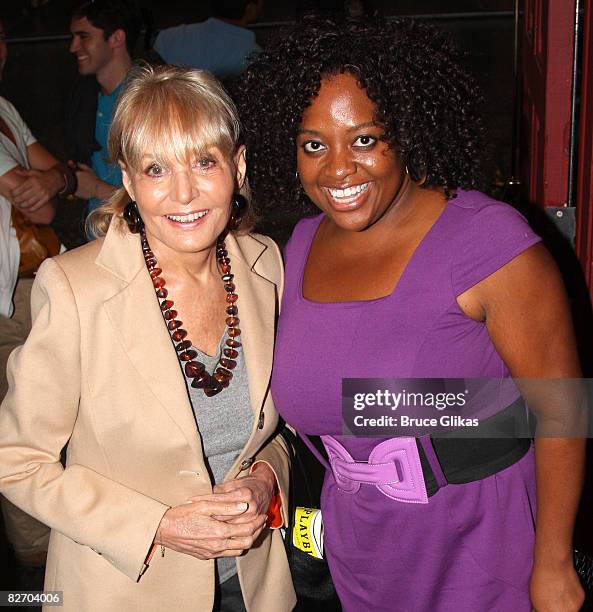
x,y
213,383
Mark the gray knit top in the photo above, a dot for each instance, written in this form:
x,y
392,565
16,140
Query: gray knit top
x,y
225,422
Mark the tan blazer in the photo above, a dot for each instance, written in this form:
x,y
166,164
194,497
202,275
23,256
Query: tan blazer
x,y
99,373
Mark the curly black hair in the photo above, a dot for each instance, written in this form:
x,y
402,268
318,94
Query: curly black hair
x,y
427,102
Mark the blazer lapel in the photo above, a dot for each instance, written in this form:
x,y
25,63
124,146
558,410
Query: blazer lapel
x,y
135,315
257,313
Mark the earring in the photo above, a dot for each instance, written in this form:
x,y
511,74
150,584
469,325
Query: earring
x,y
406,169
133,218
238,206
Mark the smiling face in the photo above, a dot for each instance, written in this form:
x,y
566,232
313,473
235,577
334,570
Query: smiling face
x,y
345,168
92,51
184,206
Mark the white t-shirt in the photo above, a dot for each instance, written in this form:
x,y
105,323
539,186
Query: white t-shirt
x,y
11,156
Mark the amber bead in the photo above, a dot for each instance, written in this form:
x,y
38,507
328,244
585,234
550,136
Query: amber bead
x,y
232,343
179,334
225,268
170,314
227,278
221,252
187,355
234,331
185,344
150,262
199,382
162,293
158,282
214,389
230,353
174,324
229,364
155,272
232,321
223,373
232,310
229,287
193,369
224,260
166,304
231,298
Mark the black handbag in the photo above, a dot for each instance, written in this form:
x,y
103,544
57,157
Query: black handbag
x,y
310,575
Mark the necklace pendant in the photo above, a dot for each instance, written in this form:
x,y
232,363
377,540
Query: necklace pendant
x,y
212,391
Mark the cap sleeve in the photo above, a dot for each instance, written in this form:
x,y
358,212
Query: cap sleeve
x,y
495,234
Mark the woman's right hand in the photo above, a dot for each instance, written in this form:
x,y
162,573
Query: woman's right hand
x,y
192,530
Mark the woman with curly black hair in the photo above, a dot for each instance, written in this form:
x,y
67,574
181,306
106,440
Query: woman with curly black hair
x,y
408,273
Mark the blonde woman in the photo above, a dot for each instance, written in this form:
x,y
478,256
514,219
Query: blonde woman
x,y
150,358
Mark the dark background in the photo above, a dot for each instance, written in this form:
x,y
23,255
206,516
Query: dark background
x,y
40,71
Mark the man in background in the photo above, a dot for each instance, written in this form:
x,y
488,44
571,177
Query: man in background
x,y
221,44
104,33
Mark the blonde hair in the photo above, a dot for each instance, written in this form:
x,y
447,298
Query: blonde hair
x,y
176,114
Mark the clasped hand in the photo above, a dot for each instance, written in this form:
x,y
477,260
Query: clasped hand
x,y
37,189
222,524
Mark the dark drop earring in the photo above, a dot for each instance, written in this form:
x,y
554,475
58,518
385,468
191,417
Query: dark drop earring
x,y
238,206
133,218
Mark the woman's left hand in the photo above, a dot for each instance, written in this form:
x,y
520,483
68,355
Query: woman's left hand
x,y
556,588
255,490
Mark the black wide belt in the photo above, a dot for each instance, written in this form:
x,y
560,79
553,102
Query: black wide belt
x,y
465,459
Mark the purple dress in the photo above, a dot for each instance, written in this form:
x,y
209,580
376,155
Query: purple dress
x,y
470,548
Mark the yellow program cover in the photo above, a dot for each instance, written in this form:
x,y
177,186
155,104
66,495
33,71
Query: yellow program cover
x,y
307,533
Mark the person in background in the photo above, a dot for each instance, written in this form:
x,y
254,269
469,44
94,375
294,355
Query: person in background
x,y
150,356
30,178
104,33
410,272
221,44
